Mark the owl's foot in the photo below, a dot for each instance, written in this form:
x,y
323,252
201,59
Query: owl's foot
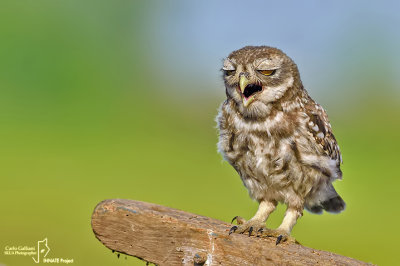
x,y
257,228
281,236
252,227
285,237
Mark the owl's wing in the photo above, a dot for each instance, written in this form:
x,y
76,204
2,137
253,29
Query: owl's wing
x,y
321,129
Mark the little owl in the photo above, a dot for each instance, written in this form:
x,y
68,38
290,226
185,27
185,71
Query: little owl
x,y
278,139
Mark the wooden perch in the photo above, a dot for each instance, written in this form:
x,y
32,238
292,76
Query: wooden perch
x,y
166,236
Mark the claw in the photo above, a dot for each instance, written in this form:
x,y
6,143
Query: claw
x,y
239,220
260,231
278,240
234,218
233,229
250,230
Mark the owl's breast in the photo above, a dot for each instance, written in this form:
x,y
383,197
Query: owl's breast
x,y
261,161
263,153
259,155
254,154
258,150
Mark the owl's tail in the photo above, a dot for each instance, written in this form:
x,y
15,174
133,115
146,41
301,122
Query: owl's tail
x,y
328,200
334,205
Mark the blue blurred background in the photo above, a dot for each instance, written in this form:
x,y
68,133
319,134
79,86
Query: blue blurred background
x,y
117,99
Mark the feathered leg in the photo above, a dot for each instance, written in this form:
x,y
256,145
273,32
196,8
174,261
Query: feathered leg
x,y
283,231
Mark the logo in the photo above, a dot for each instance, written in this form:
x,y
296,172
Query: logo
x,y
38,253
42,248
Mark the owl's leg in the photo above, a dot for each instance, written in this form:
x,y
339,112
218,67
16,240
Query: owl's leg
x,y
257,223
283,231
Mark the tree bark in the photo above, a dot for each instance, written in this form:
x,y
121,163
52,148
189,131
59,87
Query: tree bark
x,y
167,236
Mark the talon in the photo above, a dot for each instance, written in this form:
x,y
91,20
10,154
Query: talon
x,y
233,229
234,218
260,231
250,230
278,240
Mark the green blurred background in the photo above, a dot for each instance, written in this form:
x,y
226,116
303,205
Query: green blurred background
x,y
117,99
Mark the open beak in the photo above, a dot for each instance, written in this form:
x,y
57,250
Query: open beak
x,y
246,97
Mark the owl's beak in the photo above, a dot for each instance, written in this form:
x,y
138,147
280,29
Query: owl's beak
x,y
243,82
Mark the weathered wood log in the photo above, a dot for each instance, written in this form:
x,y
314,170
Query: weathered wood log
x,y
166,236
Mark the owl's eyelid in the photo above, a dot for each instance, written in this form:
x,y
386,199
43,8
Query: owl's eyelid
x,y
229,72
271,72
264,63
228,69
268,69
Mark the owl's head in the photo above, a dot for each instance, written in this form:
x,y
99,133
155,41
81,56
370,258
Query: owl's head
x,y
257,76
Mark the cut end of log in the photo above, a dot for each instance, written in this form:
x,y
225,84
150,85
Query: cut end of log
x,y
167,236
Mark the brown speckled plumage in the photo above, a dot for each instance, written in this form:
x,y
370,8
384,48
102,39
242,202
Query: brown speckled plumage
x,y
276,137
